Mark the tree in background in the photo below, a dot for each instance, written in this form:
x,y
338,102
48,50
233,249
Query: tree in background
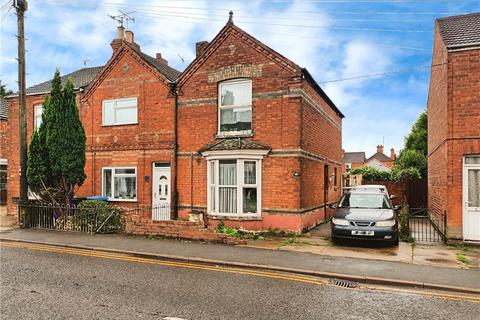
x,y
414,155
56,160
4,91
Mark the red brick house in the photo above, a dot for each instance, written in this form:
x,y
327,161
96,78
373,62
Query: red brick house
x,y
378,160
243,135
259,142
454,126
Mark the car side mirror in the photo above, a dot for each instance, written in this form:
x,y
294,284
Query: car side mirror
x,y
332,206
393,197
397,207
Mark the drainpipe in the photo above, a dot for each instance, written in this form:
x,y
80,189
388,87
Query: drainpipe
x,y
173,89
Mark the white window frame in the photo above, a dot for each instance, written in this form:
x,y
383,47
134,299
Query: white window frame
x,y
113,182
115,101
220,107
348,166
35,116
240,157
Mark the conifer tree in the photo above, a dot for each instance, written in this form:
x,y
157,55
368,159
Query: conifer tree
x,y
56,165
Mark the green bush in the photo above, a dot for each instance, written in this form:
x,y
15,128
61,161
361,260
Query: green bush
x,y
99,215
372,174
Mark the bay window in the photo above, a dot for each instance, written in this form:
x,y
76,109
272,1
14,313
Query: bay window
x,y
119,183
234,186
235,107
119,111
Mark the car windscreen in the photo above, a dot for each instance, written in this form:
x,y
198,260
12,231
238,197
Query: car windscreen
x,y
364,201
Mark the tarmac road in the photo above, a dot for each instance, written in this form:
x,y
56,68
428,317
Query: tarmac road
x,y
42,283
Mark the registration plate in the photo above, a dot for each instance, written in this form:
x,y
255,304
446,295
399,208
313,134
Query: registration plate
x,y
363,233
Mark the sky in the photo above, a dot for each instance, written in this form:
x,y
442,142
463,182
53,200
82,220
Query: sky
x,y
333,39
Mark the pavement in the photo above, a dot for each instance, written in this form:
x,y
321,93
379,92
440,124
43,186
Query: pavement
x,y
361,270
41,283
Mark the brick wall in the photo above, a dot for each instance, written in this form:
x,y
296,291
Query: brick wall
x,y
454,130
140,223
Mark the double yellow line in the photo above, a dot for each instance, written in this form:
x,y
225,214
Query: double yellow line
x,y
198,266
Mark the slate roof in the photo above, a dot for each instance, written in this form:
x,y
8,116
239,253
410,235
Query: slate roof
x,y
354,157
460,31
81,78
234,144
382,157
3,108
169,72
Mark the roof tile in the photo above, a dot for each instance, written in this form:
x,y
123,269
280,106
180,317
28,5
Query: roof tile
x,y
460,31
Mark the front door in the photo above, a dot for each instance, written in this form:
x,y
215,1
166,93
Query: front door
x,y
471,198
161,191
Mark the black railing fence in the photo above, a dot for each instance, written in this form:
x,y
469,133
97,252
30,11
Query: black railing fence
x,y
73,218
427,227
100,219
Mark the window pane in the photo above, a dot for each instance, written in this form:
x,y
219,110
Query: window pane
x,y
236,119
227,199
472,160
228,172
107,183
127,103
236,94
38,116
125,171
125,187
126,115
249,200
108,116
212,172
212,198
474,188
250,172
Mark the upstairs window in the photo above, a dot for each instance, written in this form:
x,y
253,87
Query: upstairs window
x,y
119,111
37,116
235,107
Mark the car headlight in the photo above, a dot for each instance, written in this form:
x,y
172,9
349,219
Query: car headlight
x,y
386,223
340,222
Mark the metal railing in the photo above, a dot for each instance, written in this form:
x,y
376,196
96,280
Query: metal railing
x,y
74,218
425,227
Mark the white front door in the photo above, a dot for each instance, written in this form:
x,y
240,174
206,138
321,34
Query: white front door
x,y
471,198
161,193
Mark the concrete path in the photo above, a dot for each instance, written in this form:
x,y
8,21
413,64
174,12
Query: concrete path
x,y
279,258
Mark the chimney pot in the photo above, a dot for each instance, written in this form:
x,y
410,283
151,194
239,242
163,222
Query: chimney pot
x,y
129,37
379,148
120,32
200,47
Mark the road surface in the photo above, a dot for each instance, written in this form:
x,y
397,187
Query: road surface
x,y
39,282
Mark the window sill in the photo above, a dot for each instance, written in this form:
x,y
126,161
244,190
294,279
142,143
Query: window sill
x,y
240,217
234,135
120,124
121,200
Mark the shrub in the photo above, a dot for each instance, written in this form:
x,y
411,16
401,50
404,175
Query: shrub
x,y
372,174
99,215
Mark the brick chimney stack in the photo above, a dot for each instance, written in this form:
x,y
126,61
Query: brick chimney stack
x,y
393,156
379,148
158,56
200,47
116,43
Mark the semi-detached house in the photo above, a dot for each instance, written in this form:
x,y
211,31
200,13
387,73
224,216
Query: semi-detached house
x,y
243,135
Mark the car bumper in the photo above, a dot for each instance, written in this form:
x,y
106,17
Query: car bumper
x,y
379,233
